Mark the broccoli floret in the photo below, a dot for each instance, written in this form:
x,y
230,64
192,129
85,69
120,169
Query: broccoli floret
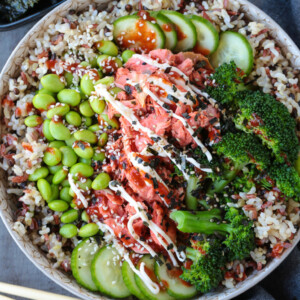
x,y
286,179
238,231
228,82
241,149
207,270
270,120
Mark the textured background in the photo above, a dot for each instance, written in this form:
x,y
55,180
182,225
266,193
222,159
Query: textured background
x,y
282,284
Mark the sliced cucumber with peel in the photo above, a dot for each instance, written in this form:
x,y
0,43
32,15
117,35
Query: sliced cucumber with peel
x,y
235,47
81,261
149,264
131,32
207,35
167,27
107,273
186,31
129,280
176,287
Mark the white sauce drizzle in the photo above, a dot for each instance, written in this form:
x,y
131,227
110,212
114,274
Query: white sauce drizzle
x,y
152,226
77,191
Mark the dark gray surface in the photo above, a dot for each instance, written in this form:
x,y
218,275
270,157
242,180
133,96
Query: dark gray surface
x,y
282,284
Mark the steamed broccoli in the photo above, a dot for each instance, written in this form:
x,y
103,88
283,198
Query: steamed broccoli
x,y
207,269
286,178
236,227
228,82
241,149
270,120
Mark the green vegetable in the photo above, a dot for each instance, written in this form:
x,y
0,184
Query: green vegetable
x,y
107,47
52,83
86,136
68,231
73,118
88,230
69,216
33,121
44,188
59,131
97,105
85,109
57,144
65,195
58,110
69,157
42,172
69,96
42,101
52,156
101,181
58,205
82,169
127,54
83,149
46,131
60,176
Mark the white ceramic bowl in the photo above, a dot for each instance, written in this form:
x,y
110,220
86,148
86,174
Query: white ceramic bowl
x,y
7,208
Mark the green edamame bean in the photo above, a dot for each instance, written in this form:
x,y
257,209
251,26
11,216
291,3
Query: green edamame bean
x,y
58,205
113,122
69,96
42,172
297,164
65,194
68,231
59,110
54,169
69,78
103,138
52,156
87,161
69,216
98,154
127,54
97,105
93,62
59,131
114,91
73,118
65,183
107,47
94,127
73,204
44,188
70,141
85,217
82,94
46,131
85,109
54,192
43,101
82,169
69,157
83,185
101,181
108,64
108,80
87,82
33,121
49,178
60,176
86,136
44,91
83,149
88,121
57,144
88,230
84,64
52,83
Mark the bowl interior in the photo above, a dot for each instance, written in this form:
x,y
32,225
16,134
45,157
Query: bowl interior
x,y
8,207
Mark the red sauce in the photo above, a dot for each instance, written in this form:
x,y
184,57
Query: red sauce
x,y
50,64
256,121
137,178
167,27
145,15
188,263
81,145
180,34
28,147
7,102
109,66
50,150
165,283
199,49
151,274
175,273
144,39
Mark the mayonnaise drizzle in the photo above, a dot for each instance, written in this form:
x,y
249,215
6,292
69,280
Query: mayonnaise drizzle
x,y
159,233
77,191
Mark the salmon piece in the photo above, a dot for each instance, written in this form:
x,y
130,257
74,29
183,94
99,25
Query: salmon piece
x,y
187,67
180,133
158,124
195,58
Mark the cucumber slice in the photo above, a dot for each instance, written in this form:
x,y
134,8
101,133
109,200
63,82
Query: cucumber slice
x,y
207,36
149,265
235,47
81,261
176,287
132,32
168,28
186,31
107,273
128,277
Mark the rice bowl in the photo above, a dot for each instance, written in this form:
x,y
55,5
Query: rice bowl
x,y
262,81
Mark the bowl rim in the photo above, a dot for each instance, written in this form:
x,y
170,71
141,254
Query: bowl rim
x,y
225,294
